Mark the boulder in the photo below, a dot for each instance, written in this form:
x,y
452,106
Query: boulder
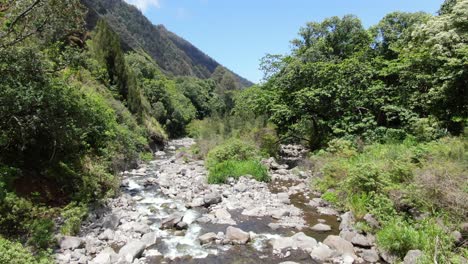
x,y
71,242
207,238
279,213
132,250
347,221
107,256
197,202
321,253
136,227
171,221
211,198
371,221
341,246
284,198
370,255
149,239
389,258
412,256
321,228
236,235
111,221
108,234
297,241
362,241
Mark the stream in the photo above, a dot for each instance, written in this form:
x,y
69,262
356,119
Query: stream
x,y
167,213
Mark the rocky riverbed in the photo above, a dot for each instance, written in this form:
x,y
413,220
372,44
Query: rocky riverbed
x,y
167,213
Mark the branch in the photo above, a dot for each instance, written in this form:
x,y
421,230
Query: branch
x,y
21,15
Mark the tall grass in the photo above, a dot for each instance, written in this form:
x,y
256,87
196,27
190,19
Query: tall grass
x,y
220,172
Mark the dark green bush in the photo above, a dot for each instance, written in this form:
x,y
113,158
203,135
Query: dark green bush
x,y
42,233
15,253
232,149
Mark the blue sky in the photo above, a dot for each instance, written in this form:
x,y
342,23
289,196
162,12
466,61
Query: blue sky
x,y
238,33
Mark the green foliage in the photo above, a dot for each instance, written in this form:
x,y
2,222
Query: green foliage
x,y
331,197
400,236
73,214
403,76
220,172
15,253
233,149
42,236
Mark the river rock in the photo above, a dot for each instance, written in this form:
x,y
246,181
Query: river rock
x,y
339,244
371,221
108,234
279,213
362,241
370,255
71,242
412,256
132,250
297,241
197,202
136,227
111,221
211,198
389,258
321,253
237,235
284,198
326,211
149,239
347,221
321,228
207,238
107,256
171,221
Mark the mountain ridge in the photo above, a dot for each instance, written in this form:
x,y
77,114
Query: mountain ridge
x,y
173,54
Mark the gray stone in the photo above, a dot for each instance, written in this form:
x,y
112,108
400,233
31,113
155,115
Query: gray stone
x,y
371,221
279,213
197,202
326,211
207,238
70,242
297,241
149,239
237,235
240,187
222,214
111,221
284,198
137,227
412,256
370,255
362,241
107,256
347,221
389,258
171,221
339,244
181,225
132,250
321,253
108,234
321,228
211,198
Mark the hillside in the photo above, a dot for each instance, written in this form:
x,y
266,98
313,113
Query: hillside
x,y
173,54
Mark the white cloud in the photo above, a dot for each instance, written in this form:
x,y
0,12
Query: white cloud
x,y
143,5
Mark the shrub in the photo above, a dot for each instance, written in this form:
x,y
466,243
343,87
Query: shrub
x,y
357,203
73,214
235,168
15,253
233,149
42,231
331,197
398,237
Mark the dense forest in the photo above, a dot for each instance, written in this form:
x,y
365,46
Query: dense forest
x,y
91,88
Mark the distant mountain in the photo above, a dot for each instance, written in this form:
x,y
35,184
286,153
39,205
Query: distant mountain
x,y
173,54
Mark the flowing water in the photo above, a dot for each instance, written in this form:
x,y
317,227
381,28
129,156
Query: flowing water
x,y
183,246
